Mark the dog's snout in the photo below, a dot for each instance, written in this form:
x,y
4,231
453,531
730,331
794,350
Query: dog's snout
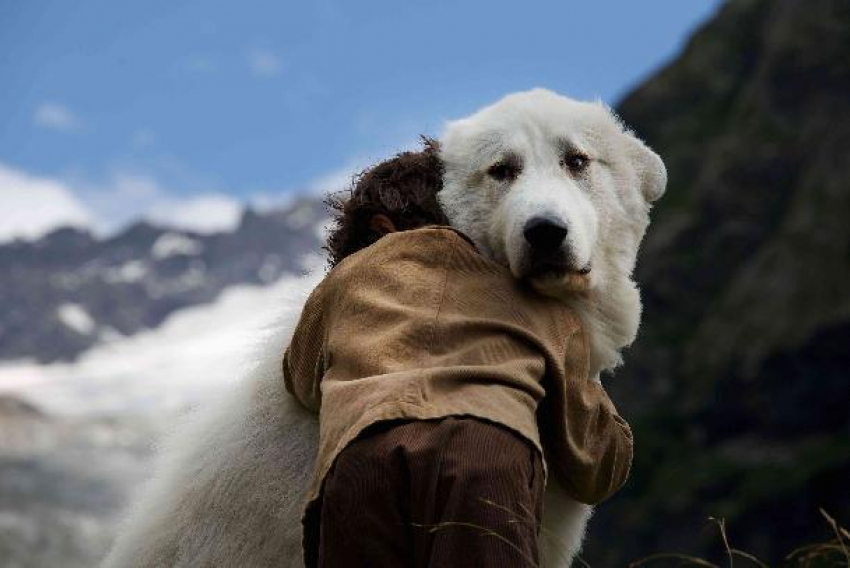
x,y
545,234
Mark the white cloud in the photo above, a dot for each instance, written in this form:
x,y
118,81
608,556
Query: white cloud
x,y
341,178
33,206
207,213
56,116
333,182
120,199
128,196
265,201
264,63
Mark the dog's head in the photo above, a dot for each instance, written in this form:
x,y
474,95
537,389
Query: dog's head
x,y
557,190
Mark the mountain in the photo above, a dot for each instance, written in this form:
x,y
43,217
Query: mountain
x,y
68,291
738,387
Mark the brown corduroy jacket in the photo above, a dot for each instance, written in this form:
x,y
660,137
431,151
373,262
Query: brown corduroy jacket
x,y
421,325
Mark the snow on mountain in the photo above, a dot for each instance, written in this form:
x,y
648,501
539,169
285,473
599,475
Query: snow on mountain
x,y
172,244
57,290
76,317
129,272
194,353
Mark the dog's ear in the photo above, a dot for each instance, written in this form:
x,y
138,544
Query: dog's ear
x,y
652,174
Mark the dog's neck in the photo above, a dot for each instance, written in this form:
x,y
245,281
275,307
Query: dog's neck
x,y
610,316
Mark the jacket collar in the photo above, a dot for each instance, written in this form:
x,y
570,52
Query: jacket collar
x,y
450,228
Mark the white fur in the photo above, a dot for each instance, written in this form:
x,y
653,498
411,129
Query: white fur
x,y
605,206
229,488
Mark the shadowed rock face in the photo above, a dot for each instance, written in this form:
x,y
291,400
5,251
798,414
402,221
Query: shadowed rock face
x,y
739,384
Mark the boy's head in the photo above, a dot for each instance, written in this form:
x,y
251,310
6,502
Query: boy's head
x,y
395,195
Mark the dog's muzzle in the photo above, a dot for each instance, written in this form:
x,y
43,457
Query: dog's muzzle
x,y
546,236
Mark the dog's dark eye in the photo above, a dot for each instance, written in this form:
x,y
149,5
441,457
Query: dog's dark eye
x,y
503,171
576,162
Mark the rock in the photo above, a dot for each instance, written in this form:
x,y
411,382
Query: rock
x,y
745,341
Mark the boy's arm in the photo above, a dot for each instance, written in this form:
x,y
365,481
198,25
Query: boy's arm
x,y
591,453
303,360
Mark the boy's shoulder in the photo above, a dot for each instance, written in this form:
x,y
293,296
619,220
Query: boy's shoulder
x,y
428,243
431,238
427,235
450,232
415,257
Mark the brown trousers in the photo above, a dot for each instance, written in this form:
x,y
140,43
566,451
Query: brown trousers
x,y
454,492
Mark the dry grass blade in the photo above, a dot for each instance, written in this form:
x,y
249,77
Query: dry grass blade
x,y
803,556
750,557
721,524
838,534
733,552
484,531
691,560
529,517
806,554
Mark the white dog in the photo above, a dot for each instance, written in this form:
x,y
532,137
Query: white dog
x,y
559,191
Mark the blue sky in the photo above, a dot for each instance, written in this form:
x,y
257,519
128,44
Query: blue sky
x,y
134,108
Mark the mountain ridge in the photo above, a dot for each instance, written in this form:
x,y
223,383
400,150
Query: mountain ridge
x,y
133,280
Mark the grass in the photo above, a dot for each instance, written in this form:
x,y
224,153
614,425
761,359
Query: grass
x,y
834,553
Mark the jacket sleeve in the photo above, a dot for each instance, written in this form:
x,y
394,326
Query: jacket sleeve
x,y
303,359
589,446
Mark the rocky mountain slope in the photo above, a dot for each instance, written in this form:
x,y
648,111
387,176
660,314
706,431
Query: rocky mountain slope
x,y
739,384
68,291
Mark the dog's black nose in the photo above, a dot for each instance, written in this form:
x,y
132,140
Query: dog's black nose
x,y
545,234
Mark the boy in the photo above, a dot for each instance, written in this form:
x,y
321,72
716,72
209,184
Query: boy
x,y
428,365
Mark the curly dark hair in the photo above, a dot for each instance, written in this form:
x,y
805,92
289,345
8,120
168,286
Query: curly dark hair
x,y
404,188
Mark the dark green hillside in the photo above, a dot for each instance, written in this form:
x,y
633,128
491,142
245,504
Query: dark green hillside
x,y
739,385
